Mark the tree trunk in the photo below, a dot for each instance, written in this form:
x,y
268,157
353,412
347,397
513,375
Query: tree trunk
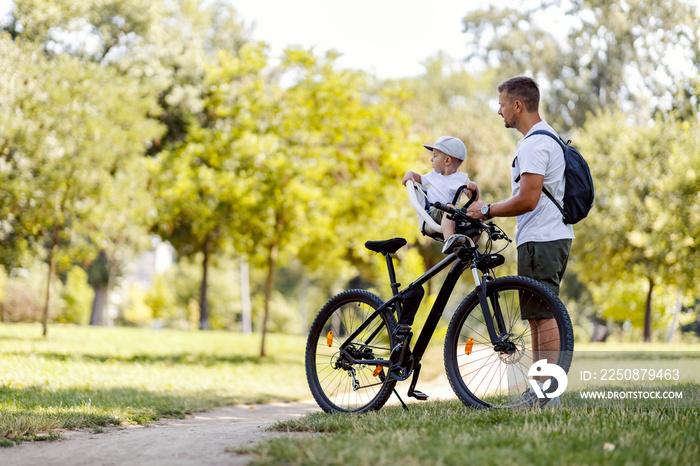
x,y
600,330
674,324
105,268
647,313
49,284
246,322
112,263
97,316
271,262
203,303
303,306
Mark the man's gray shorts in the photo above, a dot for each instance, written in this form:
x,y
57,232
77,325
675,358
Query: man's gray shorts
x,y
545,262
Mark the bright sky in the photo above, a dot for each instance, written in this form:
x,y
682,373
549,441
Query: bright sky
x,y
388,38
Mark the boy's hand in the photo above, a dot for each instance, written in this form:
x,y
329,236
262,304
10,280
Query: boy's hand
x,y
471,186
413,176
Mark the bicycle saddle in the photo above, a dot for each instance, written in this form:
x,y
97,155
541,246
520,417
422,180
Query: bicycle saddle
x,y
388,246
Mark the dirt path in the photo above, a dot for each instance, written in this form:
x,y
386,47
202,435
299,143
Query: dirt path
x,y
201,439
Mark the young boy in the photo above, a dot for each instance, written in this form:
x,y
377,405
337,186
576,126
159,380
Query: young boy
x,y
442,184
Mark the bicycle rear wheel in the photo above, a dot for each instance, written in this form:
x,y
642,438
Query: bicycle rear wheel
x,y
338,383
486,375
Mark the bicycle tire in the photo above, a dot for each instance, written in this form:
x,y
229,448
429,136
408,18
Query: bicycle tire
x,y
483,376
352,387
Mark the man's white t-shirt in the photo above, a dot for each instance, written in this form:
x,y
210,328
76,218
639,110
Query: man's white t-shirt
x,y
541,155
443,188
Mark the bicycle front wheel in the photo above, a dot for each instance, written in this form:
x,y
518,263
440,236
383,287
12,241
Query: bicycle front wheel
x,y
338,378
484,374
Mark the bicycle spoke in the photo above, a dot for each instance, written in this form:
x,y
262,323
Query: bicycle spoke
x,y
339,379
497,375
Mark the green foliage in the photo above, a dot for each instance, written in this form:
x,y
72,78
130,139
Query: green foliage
x,y
200,194
75,126
136,312
77,298
607,53
160,299
25,293
643,226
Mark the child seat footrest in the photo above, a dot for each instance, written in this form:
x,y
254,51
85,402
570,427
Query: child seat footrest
x,y
489,261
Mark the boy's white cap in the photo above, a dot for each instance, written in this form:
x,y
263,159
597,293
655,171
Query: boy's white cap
x,y
450,146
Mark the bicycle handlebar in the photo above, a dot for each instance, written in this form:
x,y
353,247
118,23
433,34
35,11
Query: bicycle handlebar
x,y
494,232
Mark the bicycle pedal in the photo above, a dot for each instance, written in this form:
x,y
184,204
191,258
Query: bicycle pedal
x,y
418,395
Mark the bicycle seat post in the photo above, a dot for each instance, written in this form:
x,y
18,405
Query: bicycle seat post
x,y
392,275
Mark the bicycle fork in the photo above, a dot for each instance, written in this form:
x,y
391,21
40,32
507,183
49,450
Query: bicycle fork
x,y
481,288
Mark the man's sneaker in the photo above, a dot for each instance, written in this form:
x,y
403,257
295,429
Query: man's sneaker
x,y
453,242
528,399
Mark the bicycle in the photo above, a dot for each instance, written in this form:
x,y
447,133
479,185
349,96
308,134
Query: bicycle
x,y
359,346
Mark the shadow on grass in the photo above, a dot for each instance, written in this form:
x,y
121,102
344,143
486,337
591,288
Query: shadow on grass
x,y
185,358
12,338
33,413
645,356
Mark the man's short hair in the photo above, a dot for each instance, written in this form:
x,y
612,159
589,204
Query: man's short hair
x,y
523,89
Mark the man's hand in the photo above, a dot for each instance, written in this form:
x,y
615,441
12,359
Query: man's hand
x,y
474,210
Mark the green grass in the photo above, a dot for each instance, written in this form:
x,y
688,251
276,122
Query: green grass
x,y
618,431
447,432
94,377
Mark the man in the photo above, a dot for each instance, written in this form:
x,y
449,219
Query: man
x,y
542,238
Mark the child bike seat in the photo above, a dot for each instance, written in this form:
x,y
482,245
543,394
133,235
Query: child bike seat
x,y
417,194
419,201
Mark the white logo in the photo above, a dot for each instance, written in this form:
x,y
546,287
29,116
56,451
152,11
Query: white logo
x,y
543,369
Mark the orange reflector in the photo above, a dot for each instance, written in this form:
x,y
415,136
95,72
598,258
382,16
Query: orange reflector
x,y
377,371
329,338
468,346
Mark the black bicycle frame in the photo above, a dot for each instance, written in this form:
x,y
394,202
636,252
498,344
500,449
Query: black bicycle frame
x,y
438,307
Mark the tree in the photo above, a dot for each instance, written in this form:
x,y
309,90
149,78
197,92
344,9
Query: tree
x,y
644,224
614,53
74,124
202,198
121,221
160,44
328,170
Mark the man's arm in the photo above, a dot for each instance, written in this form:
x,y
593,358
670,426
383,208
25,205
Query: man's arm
x,y
525,201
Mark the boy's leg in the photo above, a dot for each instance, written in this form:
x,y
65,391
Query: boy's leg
x,y
452,240
448,227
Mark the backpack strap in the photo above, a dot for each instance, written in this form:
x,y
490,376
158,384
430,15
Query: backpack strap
x,y
561,143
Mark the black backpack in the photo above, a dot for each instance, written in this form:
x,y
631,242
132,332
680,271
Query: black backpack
x,y
578,191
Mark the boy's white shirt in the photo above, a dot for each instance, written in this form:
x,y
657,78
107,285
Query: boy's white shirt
x,y
443,188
